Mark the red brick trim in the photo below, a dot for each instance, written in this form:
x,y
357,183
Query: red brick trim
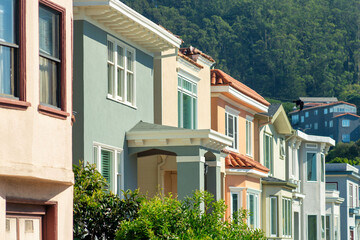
x,y
62,28
13,103
52,112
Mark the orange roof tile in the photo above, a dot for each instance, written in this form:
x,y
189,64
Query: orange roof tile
x,y
324,105
189,60
193,52
237,160
340,115
218,77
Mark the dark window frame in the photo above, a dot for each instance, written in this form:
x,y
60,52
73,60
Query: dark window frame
x,y
45,109
20,103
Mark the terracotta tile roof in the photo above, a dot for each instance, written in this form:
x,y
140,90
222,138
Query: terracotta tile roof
x,y
218,77
237,160
324,105
340,115
189,60
193,53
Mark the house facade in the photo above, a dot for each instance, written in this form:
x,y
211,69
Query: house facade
x,y
345,178
277,190
233,109
36,178
332,218
337,120
312,217
114,50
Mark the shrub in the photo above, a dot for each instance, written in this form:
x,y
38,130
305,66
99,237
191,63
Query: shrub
x,y
97,211
196,217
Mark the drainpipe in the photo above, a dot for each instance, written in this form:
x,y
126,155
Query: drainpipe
x,y
161,173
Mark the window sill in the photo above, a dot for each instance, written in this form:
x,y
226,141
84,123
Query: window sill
x,y
13,103
52,112
118,101
232,149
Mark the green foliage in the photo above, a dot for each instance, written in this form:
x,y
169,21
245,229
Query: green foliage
x,y
98,211
288,106
197,217
281,48
345,153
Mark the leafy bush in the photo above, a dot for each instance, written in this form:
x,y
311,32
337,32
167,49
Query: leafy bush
x,y
196,217
97,211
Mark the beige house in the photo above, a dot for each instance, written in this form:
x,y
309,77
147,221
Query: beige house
x,y
36,176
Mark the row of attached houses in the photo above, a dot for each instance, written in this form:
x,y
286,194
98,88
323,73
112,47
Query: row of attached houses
x,y
103,84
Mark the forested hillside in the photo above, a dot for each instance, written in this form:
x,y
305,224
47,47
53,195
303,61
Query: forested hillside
x,y
281,48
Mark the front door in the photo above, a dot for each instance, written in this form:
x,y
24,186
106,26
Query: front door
x,y
23,227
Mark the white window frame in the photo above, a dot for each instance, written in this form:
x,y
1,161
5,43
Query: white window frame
x,y
271,153
277,217
345,121
351,196
249,135
118,159
181,90
284,199
256,194
115,95
235,114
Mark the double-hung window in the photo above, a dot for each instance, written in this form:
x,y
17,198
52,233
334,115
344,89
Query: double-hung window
x,y
50,57
253,208
249,137
109,163
187,103
268,152
121,72
312,227
235,202
231,128
311,166
286,216
273,216
9,48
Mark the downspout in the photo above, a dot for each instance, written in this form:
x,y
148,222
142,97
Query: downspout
x,y
161,173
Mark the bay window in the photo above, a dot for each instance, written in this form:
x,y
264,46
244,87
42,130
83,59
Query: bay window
x,y
9,48
50,57
286,216
268,152
311,166
231,128
249,137
253,208
273,216
121,72
187,103
109,163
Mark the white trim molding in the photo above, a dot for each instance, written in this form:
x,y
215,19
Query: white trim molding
x,y
232,110
181,159
237,171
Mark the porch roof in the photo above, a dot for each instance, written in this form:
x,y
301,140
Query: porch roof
x,y
145,134
275,181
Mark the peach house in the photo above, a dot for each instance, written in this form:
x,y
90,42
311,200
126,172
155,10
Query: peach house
x,y
233,110
36,178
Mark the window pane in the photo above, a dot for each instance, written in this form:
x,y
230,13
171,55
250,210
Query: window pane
x,y
110,52
130,87
235,207
311,166
187,111
312,227
120,82
119,171
11,229
179,109
230,125
8,62
7,21
49,85
120,56
187,85
110,78
129,61
328,228
49,32
235,142
194,113
252,210
273,215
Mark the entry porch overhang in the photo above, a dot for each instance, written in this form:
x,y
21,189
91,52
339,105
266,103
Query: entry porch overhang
x,y
153,135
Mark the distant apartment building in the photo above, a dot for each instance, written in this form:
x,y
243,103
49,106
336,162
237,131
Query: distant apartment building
x,y
327,117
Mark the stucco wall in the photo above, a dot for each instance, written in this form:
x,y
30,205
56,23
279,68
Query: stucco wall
x,y
106,121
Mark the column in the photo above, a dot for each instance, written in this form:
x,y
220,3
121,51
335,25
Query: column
x,y
213,178
190,175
